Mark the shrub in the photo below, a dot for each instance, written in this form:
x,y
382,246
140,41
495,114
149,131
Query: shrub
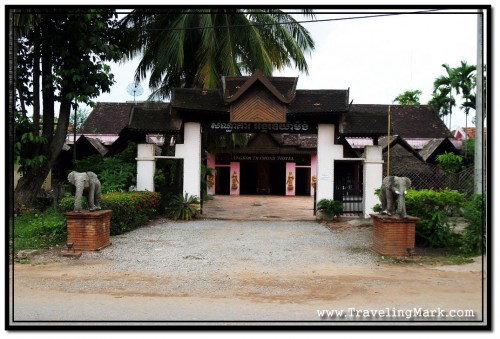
x,y
116,175
130,209
450,162
433,208
331,208
473,238
183,207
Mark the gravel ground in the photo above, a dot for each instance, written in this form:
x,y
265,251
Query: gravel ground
x,y
232,270
212,251
166,245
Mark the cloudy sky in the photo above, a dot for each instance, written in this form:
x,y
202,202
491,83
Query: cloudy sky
x,y
376,57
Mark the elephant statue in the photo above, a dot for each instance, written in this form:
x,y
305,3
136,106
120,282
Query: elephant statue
x,y
393,193
88,183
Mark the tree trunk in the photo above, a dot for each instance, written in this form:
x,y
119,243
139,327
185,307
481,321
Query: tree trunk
x,y
47,93
36,83
30,184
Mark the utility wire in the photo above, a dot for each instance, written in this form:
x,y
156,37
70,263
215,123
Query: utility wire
x,y
290,23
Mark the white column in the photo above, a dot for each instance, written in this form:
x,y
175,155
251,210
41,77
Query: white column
x,y
327,153
372,177
146,165
190,151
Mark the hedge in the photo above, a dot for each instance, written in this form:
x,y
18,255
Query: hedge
x,y
434,209
130,209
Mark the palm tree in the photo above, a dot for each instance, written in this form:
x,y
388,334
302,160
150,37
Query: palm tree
x,y
409,98
443,86
465,82
462,80
442,101
196,47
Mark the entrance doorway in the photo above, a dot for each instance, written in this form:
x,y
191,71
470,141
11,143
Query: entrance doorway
x,y
302,181
263,178
222,180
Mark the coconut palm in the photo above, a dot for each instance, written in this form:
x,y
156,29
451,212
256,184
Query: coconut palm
x,y
196,47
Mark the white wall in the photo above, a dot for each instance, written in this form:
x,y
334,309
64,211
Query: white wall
x,y
327,153
372,177
190,151
146,165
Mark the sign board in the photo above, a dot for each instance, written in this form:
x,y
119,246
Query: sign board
x,y
299,127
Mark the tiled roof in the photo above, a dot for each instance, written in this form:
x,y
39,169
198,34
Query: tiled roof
x,y
157,119
198,99
397,140
436,147
97,145
364,120
321,101
417,122
107,118
471,132
306,101
282,88
284,85
406,121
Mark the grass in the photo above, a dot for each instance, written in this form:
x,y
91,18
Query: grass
x,y
452,259
37,230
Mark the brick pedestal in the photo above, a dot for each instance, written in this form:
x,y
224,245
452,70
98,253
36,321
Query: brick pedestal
x,y
393,236
89,231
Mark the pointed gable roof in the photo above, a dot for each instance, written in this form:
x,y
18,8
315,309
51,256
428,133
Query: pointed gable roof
x,y
397,140
435,147
235,87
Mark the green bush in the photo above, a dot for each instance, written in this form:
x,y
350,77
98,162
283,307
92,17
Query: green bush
x,y
116,175
331,208
130,209
450,162
434,208
183,207
474,236
92,163
38,230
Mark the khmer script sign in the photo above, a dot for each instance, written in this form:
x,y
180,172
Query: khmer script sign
x,y
261,127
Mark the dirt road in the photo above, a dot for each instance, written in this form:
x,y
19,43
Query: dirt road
x,y
242,288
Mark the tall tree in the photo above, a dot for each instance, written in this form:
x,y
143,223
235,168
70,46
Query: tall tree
x,y
73,48
459,81
409,98
196,47
464,84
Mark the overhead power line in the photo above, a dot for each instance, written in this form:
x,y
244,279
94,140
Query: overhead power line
x,y
430,11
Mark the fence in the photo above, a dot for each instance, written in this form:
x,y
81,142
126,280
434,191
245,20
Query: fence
x,y
433,177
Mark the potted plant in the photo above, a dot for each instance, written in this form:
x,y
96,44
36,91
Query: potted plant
x,y
329,208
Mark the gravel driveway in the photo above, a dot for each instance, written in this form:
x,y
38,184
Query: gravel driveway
x,y
232,270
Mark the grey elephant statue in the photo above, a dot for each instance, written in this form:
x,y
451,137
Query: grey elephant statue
x,y
393,193
86,183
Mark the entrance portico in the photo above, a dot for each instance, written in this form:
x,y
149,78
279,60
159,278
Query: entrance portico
x,y
266,109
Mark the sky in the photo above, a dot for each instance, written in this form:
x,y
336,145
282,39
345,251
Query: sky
x,y
377,58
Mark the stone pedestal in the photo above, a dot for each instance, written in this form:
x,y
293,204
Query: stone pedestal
x,y
89,231
392,235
